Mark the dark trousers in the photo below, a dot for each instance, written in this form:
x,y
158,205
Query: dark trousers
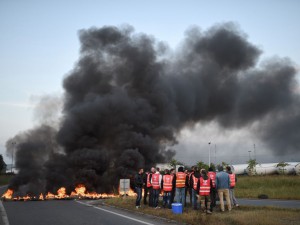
x,y
173,195
139,196
150,196
145,195
167,199
213,195
155,197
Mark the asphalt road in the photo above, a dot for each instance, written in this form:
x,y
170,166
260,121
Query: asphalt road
x,y
66,212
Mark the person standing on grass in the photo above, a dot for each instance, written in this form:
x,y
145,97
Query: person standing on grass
x,y
204,186
193,183
167,187
213,192
156,184
147,185
138,182
223,185
181,183
173,174
150,188
233,181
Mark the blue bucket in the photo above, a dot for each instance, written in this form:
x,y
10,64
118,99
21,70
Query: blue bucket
x,y
177,208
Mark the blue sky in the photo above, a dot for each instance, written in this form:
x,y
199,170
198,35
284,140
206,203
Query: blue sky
x,y
39,40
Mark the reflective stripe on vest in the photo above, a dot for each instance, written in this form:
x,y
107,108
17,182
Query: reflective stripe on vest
x,y
204,187
212,176
167,186
155,181
195,182
232,180
148,180
180,179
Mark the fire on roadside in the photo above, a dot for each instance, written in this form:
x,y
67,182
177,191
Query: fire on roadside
x,y
80,192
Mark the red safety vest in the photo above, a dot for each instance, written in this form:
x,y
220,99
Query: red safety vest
x,y
155,181
180,179
212,176
148,180
195,182
204,187
232,180
168,180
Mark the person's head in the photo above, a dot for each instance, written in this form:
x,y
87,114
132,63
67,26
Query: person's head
x,y
196,169
167,171
186,171
203,172
192,168
141,170
220,168
210,169
153,170
172,171
180,169
228,168
157,169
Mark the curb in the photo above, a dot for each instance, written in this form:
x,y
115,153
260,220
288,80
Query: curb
x,y
3,215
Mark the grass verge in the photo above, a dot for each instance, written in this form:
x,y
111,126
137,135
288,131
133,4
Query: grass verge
x,y
275,186
241,215
5,178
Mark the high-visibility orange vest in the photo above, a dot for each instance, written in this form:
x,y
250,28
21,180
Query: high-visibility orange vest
x,y
180,179
232,180
148,180
168,180
155,181
204,186
212,176
195,182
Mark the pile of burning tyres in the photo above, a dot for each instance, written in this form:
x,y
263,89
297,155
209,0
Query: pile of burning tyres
x,y
80,192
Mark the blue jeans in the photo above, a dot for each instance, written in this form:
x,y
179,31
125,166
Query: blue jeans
x,y
138,190
155,197
167,199
194,198
180,196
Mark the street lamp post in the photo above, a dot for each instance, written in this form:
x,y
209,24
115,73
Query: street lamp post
x,y
12,156
209,154
249,155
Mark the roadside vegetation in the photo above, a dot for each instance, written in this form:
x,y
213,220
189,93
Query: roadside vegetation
x,y
241,215
5,178
274,186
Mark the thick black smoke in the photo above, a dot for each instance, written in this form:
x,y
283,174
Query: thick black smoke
x,y
128,97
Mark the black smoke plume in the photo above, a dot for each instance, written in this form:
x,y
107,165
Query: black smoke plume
x,y
128,97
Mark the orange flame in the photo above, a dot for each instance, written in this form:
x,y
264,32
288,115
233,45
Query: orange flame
x,y
8,194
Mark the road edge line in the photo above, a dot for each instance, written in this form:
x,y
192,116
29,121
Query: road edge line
x,y
118,214
3,214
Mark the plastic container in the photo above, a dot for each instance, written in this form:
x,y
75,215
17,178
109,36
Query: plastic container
x,y
177,208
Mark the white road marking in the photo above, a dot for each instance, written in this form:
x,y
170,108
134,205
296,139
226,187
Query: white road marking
x,y
127,217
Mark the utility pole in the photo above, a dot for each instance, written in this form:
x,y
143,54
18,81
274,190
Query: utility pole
x,y
12,156
249,155
254,151
209,154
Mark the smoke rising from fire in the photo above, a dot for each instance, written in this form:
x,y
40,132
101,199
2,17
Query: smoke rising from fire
x,y
129,95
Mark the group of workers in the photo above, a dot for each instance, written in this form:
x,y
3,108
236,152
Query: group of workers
x,y
199,183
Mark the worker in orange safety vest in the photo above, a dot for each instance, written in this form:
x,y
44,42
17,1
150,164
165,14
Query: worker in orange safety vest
x,y
213,191
167,187
233,181
204,185
181,184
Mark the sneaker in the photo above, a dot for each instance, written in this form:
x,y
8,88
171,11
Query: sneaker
x,y
208,212
157,207
236,205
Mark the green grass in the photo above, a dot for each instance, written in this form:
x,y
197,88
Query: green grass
x,y
275,186
4,179
241,215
